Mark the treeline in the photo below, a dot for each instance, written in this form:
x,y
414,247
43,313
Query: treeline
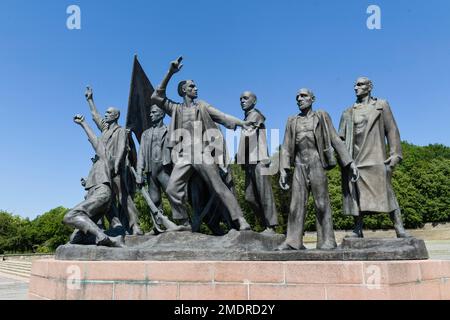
x,y
41,235
421,182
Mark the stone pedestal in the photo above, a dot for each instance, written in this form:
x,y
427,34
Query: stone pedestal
x,y
241,246
242,280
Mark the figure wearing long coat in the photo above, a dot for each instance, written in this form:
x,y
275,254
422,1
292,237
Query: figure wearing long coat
x,y
373,192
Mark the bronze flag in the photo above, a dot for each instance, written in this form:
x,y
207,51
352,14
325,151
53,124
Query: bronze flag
x,y
139,101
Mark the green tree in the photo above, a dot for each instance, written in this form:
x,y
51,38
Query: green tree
x,y
14,235
48,230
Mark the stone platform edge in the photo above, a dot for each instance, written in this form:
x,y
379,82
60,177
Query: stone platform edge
x,y
240,280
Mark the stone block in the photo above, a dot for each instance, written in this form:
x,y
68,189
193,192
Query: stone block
x,y
98,291
180,271
286,292
263,272
391,272
40,268
213,292
445,288
426,290
117,270
128,291
61,270
162,291
331,272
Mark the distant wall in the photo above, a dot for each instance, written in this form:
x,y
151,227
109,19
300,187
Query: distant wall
x,y
26,257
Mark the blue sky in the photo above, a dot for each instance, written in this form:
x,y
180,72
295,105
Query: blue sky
x,y
270,47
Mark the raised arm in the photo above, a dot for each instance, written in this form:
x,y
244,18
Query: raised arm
x,y
93,139
159,96
101,125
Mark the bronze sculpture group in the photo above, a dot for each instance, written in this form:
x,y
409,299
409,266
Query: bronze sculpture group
x,y
188,160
